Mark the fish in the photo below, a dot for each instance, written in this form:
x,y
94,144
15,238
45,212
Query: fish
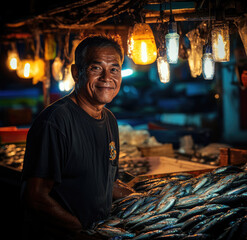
x,y
219,221
229,199
238,190
166,205
215,208
190,202
113,231
151,220
160,225
174,236
138,218
200,184
191,222
131,208
148,235
227,169
196,211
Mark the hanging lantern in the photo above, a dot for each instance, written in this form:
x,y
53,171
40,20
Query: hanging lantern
x,y
57,69
172,43
50,47
208,64
163,69
38,70
241,24
221,42
12,60
144,47
195,52
24,69
13,57
68,82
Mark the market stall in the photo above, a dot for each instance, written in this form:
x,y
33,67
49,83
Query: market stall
x,y
181,109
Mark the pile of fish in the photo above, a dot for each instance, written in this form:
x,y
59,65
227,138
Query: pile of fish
x,y
210,206
12,155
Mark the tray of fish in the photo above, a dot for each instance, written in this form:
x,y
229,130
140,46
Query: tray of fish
x,y
12,155
212,205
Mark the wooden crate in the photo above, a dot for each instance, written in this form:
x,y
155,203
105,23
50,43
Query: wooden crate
x,y
232,156
162,150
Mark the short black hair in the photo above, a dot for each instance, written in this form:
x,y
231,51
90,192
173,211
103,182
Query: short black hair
x,y
95,41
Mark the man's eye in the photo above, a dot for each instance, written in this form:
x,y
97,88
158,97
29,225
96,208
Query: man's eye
x,y
95,68
115,70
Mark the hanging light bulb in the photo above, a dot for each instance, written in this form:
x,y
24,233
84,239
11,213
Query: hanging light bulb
x,y
142,46
38,70
172,43
68,82
13,58
163,69
208,64
172,40
221,42
25,68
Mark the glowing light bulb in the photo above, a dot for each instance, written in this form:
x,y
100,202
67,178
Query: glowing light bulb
x,y
144,56
27,70
142,46
172,46
208,66
163,69
12,61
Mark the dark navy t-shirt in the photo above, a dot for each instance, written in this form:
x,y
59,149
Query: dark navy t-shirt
x,y
79,153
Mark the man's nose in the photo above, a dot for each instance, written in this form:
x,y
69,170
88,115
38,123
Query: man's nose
x,y
105,75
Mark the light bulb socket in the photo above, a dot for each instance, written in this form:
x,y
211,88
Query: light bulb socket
x,y
172,27
207,49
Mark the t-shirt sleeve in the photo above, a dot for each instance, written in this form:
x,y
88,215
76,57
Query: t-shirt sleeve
x,y
45,153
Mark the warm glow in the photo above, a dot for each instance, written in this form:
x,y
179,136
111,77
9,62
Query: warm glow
x,y
12,60
195,53
13,63
38,70
57,69
68,83
25,68
216,96
172,46
144,56
221,43
208,66
163,69
142,45
126,72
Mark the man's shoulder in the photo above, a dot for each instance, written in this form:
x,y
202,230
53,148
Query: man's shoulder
x,y
56,112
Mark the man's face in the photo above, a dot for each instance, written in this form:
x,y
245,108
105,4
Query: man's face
x,y
103,75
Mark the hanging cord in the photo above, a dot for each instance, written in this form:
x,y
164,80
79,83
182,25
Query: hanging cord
x,y
171,16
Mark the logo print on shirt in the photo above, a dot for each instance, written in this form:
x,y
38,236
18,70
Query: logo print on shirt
x,y
113,151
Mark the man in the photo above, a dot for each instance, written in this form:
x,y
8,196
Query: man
x,y
71,160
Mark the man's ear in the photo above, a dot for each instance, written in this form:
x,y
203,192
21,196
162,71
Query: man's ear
x,y
75,72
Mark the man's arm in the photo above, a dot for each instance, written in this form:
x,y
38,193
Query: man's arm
x,y
38,198
121,190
